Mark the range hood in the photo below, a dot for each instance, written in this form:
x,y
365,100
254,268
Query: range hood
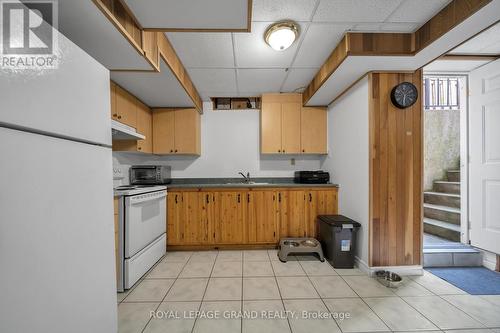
x,y
120,131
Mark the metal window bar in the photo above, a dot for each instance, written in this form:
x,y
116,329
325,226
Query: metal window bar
x,y
441,93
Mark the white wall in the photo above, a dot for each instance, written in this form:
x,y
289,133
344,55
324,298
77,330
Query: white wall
x,y
229,144
348,158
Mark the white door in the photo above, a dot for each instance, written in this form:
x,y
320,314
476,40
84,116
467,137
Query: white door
x,y
484,164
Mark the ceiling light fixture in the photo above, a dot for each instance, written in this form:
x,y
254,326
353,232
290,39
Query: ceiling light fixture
x,y
281,35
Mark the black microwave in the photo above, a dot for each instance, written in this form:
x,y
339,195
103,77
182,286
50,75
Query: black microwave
x,y
150,174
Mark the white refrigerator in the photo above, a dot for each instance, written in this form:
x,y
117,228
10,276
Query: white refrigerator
x,y
57,265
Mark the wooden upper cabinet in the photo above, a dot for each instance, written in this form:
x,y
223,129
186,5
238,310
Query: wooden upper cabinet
x,y
144,127
313,130
176,131
270,128
163,131
187,131
290,128
126,107
112,96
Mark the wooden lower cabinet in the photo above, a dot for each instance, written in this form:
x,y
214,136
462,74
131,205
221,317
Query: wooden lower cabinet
x,y
230,217
245,216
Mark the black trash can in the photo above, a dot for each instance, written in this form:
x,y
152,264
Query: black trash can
x,y
337,235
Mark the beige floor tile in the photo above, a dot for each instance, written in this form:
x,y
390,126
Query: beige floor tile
x,y
442,313
187,290
398,315
310,322
290,268
366,286
317,268
223,323
255,255
165,270
349,271
436,285
307,257
197,269
273,255
132,317
257,268
227,269
121,296
203,256
150,290
178,317
494,299
259,288
228,255
177,256
353,315
480,330
292,287
332,287
223,289
263,323
411,288
478,308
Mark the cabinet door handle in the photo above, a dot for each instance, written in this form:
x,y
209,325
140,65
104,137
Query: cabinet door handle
x,y
303,150
283,150
310,197
139,148
207,199
279,197
115,115
176,198
171,150
176,150
119,117
279,150
239,196
248,197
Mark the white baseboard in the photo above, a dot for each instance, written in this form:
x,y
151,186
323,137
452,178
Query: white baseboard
x,y
401,270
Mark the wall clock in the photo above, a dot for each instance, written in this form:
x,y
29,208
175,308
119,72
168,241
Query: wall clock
x,y
404,95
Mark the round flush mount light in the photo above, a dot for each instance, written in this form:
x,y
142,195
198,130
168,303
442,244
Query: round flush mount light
x,y
281,35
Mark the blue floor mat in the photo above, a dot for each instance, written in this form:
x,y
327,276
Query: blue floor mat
x,y
474,280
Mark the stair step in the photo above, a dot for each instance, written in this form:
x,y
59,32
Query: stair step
x,y
444,199
453,175
442,213
446,186
442,229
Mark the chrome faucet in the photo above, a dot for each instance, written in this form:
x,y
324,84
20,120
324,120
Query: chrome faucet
x,y
247,177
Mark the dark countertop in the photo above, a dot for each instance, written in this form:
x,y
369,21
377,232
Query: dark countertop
x,y
239,183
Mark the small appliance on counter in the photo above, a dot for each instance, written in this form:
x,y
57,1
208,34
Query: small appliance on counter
x,y
312,177
150,174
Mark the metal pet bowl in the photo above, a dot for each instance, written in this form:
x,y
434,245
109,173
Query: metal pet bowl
x,y
389,279
291,243
309,243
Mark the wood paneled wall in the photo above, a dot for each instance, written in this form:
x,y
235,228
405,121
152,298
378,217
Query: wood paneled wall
x,y
395,173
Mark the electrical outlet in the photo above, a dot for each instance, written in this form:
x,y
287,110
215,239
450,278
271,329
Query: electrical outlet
x,y
117,173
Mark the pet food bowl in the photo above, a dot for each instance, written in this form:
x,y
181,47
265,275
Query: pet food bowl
x,y
291,243
389,279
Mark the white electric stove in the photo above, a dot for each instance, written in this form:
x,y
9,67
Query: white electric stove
x,y
141,231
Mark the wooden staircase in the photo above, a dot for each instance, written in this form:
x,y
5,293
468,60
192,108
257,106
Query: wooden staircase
x,y
442,207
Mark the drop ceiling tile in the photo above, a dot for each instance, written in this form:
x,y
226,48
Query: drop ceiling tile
x,y
260,80
197,49
454,65
213,79
298,79
368,27
417,11
276,10
214,14
322,38
253,52
355,10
